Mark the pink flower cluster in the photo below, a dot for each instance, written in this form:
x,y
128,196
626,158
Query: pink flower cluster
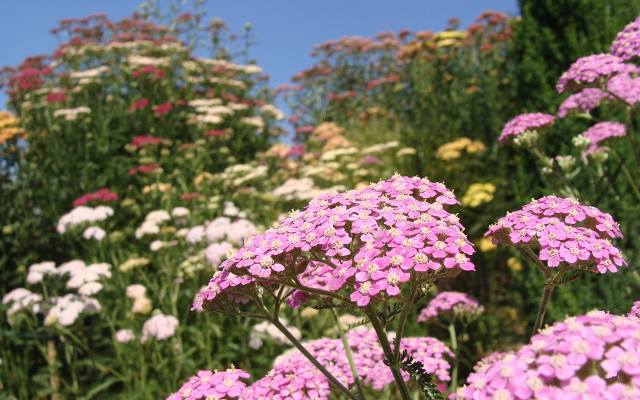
x,y
625,87
293,375
594,356
525,122
565,232
635,310
144,169
103,195
450,305
593,70
601,131
220,385
582,102
367,241
626,45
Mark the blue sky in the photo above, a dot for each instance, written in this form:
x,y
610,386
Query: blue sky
x,y
286,31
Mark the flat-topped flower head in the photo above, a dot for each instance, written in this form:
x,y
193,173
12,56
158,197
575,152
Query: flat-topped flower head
x,y
450,305
293,376
532,122
626,45
219,385
367,243
595,356
564,232
582,102
600,132
625,87
592,71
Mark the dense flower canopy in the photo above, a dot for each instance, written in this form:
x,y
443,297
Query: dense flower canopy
x,y
523,123
565,232
294,377
595,356
367,241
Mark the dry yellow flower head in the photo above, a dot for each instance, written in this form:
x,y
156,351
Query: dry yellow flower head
x,y
453,150
477,194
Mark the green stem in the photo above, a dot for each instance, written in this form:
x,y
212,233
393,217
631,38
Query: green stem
x,y
454,347
401,324
310,357
386,348
347,350
546,295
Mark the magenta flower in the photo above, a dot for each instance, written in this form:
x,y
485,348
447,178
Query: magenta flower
x,y
221,385
595,356
367,243
525,122
564,232
450,305
583,101
626,45
635,310
592,71
600,132
293,376
626,88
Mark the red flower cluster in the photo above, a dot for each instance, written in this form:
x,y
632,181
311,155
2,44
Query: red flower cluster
x,y
141,141
150,71
139,105
162,109
103,195
144,169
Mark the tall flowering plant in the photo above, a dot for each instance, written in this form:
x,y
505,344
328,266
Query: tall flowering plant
x,y
562,238
372,248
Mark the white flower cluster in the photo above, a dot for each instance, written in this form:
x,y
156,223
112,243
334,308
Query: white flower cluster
x,y
66,309
20,299
71,114
243,174
222,228
141,303
299,189
81,215
151,224
159,327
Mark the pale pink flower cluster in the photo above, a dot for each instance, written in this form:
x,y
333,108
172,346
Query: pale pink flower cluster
x,y
218,385
582,102
565,232
368,242
594,356
450,305
21,298
601,131
635,310
125,336
266,330
65,310
222,228
626,45
159,327
39,270
293,376
84,278
592,71
525,122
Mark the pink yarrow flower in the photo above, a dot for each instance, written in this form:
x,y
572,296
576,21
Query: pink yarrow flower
x,y
564,232
220,385
450,305
592,71
600,132
523,123
626,45
595,356
367,242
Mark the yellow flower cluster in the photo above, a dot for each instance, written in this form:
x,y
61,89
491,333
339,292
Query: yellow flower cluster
x,y
133,263
485,245
514,264
9,128
478,193
449,38
157,187
453,150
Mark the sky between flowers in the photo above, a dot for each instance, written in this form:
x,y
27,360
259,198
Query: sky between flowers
x,y
286,30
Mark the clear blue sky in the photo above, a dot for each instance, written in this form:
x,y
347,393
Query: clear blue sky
x,y
286,31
